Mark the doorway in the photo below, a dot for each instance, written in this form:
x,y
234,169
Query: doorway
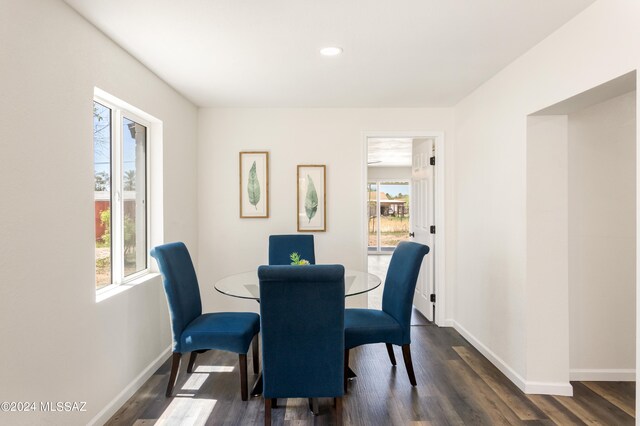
x,y
387,204
581,225
401,193
602,239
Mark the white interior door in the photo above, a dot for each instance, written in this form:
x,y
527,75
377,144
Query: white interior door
x,y
423,219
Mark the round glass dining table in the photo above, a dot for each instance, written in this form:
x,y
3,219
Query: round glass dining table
x,y
246,285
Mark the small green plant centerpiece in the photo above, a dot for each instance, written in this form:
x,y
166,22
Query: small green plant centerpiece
x,y
295,259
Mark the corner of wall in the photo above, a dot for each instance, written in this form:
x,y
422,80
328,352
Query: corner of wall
x,y
528,387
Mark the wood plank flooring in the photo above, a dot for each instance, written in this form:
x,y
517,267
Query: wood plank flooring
x,y
456,386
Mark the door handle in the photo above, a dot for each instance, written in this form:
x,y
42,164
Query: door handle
x,y
412,234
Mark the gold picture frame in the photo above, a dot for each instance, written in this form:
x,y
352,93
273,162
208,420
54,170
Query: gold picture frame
x,y
254,184
312,198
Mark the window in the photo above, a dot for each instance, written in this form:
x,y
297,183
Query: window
x,y
120,194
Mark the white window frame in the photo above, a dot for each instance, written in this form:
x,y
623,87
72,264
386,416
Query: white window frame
x,y
120,110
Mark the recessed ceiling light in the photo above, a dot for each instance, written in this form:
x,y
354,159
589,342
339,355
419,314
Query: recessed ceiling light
x,y
331,51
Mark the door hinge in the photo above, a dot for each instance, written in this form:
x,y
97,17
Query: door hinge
x,y
432,160
432,298
433,229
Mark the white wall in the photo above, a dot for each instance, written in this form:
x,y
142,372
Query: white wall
x,y
389,173
547,243
333,137
492,306
602,229
58,344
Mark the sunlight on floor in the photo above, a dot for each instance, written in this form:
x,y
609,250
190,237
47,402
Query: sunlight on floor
x,y
201,374
214,369
194,382
187,411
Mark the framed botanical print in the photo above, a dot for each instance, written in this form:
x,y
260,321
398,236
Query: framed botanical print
x,y
254,184
312,198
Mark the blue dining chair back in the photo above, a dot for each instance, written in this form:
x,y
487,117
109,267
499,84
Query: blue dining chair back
x,y
302,323
392,324
194,331
400,284
281,247
180,286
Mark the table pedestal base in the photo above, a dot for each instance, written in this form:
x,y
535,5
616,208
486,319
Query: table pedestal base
x,y
351,374
257,387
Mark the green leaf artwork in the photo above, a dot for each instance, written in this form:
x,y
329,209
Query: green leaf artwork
x,y
311,200
253,187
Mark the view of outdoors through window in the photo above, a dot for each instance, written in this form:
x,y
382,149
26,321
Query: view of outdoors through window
x,y
120,221
102,192
388,213
134,138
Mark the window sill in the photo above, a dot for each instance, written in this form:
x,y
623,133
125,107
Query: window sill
x,y
113,290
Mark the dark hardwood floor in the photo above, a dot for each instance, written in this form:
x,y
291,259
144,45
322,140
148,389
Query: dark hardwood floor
x,y
456,385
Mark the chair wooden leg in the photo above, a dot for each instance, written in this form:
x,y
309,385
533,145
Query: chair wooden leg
x,y
267,412
338,402
192,361
244,390
406,353
256,354
346,368
392,356
175,366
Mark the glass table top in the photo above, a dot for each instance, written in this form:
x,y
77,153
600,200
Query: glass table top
x,y
245,285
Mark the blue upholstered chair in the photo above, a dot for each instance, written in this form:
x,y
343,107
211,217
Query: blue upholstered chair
x,y
281,247
194,331
391,325
302,319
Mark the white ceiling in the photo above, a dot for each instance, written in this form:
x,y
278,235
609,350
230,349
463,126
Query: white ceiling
x,y
401,53
389,152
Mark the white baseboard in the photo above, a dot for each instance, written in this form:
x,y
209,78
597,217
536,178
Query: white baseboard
x,y
543,388
107,412
492,357
549,388
603,374
446,323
